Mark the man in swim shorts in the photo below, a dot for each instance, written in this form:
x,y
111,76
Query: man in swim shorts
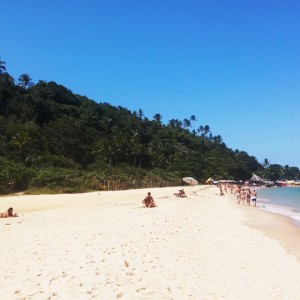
x,y
148,201
253,197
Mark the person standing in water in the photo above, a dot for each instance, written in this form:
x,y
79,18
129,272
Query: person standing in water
x,y
253,197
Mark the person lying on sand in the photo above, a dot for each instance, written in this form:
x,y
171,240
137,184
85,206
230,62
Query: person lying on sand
x,y
9,213
148,201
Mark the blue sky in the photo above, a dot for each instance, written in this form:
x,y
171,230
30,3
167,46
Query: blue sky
x,y
234,64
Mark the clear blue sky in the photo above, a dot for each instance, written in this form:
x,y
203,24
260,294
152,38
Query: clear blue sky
x,y
234,64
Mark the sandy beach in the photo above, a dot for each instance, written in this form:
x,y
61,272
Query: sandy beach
x,y
102,245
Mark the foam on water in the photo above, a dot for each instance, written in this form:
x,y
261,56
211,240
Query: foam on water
x,y
281,210
283,201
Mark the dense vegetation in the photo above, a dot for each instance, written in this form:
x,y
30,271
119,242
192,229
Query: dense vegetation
x,y
54,140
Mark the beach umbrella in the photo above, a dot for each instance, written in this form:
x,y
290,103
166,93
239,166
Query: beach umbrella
x,y
191,181
209,180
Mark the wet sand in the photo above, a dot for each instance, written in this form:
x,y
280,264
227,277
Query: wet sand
x,y
275,226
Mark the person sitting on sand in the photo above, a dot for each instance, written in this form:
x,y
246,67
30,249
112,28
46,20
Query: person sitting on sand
x,y
8,214
148,201
181,193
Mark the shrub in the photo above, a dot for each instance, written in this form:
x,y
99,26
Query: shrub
x,y
59,180
14,177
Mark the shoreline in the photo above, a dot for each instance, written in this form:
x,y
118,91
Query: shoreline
x,y
292,220
279,227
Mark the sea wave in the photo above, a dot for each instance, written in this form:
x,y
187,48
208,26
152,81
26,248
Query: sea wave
x,y
263,200
281,210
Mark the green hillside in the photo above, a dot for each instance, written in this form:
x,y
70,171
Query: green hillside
x,y
52,140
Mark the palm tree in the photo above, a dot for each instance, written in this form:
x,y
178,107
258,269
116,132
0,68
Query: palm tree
x,y
266,165
186,123
217,140
175,123
200,130
140,114
2,66
25,81
157,117
193,119
206,129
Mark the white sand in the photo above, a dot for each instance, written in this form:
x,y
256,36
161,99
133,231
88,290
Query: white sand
x,y
102,246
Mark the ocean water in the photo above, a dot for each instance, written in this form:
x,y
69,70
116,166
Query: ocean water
x,y
281,200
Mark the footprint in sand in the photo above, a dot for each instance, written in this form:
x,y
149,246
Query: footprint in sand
x,y
129,274
64,274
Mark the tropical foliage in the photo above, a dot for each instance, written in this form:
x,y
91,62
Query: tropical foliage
x,y
55,140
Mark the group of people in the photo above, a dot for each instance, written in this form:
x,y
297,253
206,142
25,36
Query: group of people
x,y
244,194
148,202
